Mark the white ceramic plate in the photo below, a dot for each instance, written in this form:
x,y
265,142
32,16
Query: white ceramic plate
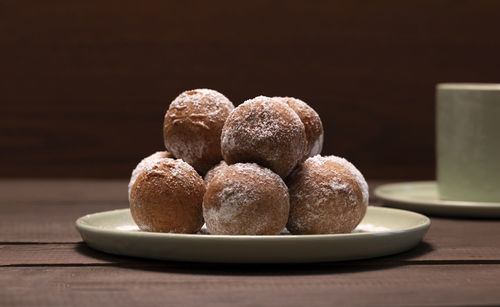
x,y
383,231
422,196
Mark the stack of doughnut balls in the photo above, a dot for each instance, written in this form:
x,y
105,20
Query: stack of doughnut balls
x,y
262,171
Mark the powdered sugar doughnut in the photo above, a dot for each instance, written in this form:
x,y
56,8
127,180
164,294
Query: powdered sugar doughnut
x,y
193,125
265,131
312,124
246,199
167,197
144,164
214,171
327,195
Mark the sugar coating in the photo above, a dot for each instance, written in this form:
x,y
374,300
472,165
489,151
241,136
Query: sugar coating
x,y
207,103
266,131
247,199
193,124
317,146
174,173
174,168
146,163
167,197
327,195
312,123
336,184
214,171
204,231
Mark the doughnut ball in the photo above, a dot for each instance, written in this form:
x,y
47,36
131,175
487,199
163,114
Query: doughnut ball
x,y
144,164
246,199
192,127
312,124
327,195
214,171
265,131
167,197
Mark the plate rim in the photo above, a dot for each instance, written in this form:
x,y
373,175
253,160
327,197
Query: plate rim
x,y
398,238
82,225
380,194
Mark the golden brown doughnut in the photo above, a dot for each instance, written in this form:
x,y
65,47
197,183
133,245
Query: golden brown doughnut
x,y
192,127
214,171
167,197
265,131
312,124
327,195
144,164
246,199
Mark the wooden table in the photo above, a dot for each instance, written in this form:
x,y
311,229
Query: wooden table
x,y
43,262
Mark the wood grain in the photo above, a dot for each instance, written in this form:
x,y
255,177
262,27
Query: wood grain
x,y
448,241
44,263
84,85
423,285
47,222
50,217
45,211
75,254
64,190
68,190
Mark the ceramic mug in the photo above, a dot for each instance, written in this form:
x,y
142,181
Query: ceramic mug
x,y
468,141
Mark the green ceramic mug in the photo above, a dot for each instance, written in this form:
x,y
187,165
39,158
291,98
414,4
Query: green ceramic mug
x,y
468,141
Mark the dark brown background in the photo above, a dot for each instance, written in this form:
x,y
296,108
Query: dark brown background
x,y
84,84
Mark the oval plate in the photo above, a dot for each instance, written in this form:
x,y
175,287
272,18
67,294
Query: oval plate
x,y
422,196
383,231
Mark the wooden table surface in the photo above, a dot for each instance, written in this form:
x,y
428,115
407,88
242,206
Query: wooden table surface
x,y
43,262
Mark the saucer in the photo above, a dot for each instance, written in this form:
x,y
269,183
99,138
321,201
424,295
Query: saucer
x,y
423,197
383,231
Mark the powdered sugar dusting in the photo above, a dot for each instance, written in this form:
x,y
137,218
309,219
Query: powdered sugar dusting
x,y
128,228
336,184
262,174
317,146
238,190
214,171
167,197
361,228
170,167
370,228
205,103
263,125
145,164
328,195
264,130
163,181
193,125
312,124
